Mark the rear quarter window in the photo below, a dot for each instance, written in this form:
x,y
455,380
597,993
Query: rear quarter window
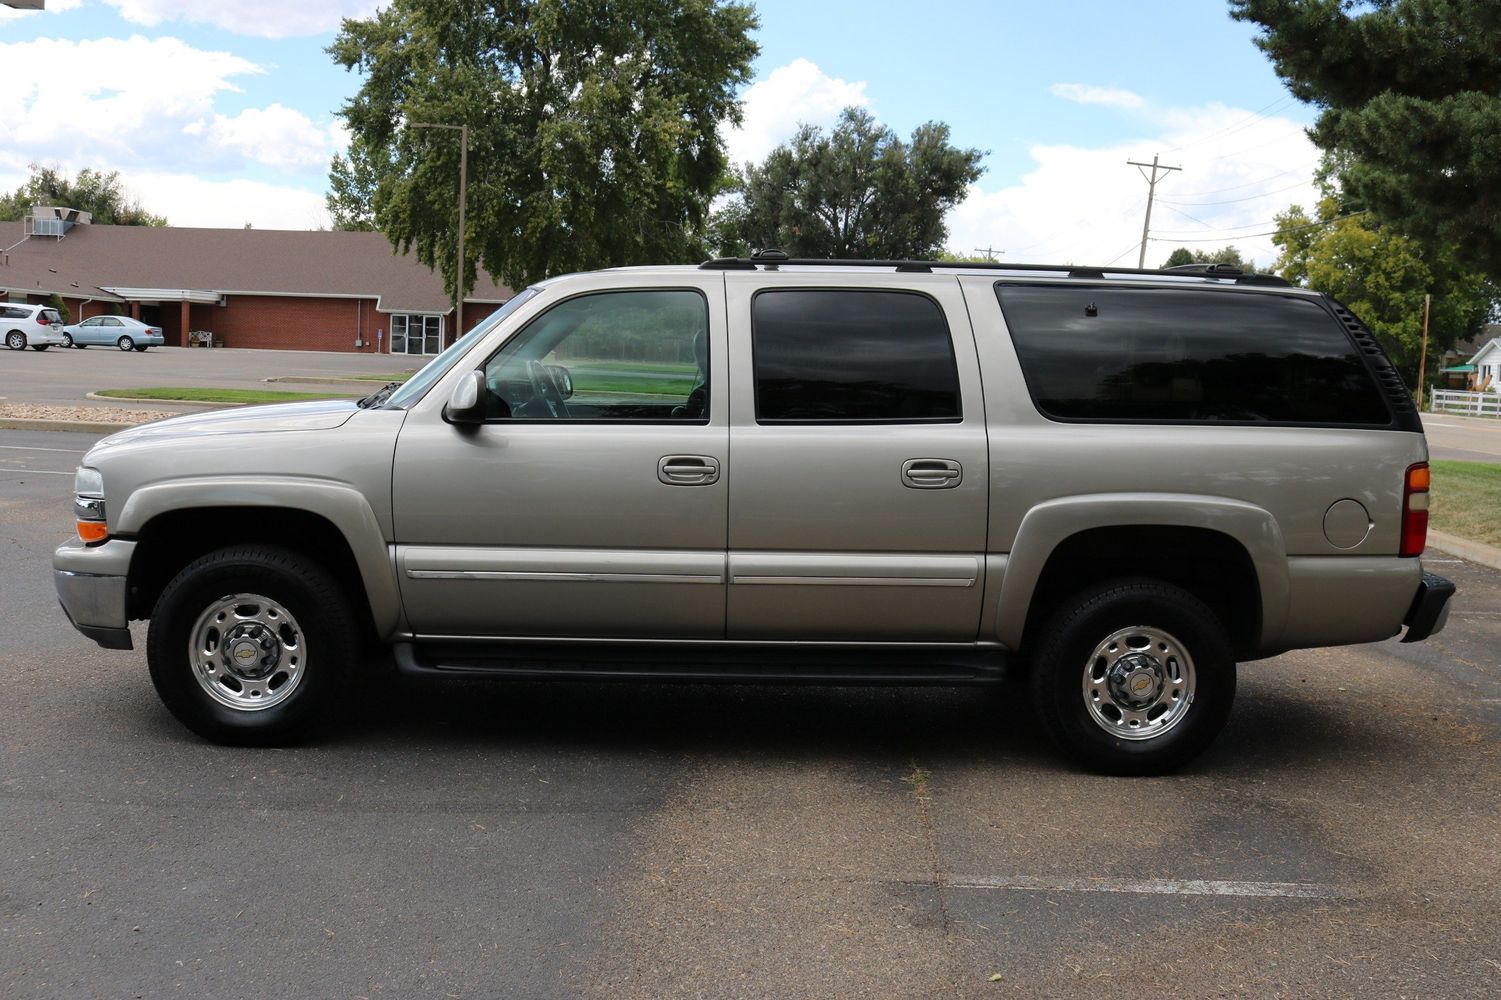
x,y
1187,356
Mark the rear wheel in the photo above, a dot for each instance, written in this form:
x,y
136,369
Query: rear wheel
x,y
1133,677
247,645
125,343
15,340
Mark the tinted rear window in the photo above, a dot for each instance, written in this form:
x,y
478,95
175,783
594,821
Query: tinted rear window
x,y
1129,354
852,356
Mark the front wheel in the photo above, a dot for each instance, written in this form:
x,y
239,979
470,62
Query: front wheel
x,y
68,340
248,644
125,344
1133,677
15,340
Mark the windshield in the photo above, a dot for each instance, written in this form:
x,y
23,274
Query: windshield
x,y
435,369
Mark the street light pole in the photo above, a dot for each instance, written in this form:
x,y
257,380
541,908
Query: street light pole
x,y
458,281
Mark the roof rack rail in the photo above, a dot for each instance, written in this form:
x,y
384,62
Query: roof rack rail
x,y
773,259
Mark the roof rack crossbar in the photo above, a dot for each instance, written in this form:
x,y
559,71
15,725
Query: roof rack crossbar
x,y
1209,272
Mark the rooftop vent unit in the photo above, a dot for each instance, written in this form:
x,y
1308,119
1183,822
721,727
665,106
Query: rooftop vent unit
x,y
47,220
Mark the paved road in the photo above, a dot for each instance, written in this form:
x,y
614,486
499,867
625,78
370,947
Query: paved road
x,y
1343,838
60,376
1472,439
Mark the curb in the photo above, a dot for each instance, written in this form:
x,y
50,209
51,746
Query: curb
x,y
1476,552
85,426
169,402
330,380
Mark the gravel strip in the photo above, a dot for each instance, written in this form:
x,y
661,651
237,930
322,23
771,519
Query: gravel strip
x,y
100,414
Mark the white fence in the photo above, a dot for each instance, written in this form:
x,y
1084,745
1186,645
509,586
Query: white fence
x,y
1475,404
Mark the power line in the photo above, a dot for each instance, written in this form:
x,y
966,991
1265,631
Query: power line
x,y
1236,126
1232,201
1263,180
1247,236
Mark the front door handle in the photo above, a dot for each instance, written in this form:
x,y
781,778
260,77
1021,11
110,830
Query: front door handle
x,y
688,470
932,473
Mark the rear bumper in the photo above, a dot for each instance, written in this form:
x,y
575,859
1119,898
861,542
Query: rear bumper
x,y
91,587
1430,608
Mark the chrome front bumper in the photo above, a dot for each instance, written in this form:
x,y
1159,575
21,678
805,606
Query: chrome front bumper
x,y
90,583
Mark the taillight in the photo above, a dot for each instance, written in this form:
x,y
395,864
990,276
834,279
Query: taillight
x,y
1415,510
42,321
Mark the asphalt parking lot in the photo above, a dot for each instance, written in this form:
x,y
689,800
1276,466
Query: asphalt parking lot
x,y
1342,838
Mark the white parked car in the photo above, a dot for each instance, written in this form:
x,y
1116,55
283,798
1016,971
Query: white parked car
x,y
113,331
35,326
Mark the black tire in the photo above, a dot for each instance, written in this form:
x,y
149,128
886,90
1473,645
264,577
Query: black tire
x,y
15,340
68,340
140,348
1093,735
125,343
40,347
326,634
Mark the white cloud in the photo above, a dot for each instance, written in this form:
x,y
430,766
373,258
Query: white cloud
x,y
146,104
796,94
1110,97
1085,205
189,200
53,7
261,18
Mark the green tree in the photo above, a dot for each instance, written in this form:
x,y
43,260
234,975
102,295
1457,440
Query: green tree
x,y
859,192
594,127
1410,92
55,301
1224,255
97,192
1382,276
352,182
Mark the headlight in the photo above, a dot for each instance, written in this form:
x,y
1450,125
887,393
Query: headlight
x,y
88,505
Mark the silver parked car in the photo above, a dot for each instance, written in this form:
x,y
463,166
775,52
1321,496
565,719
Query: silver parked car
x,y
35,326
1120,482
113,331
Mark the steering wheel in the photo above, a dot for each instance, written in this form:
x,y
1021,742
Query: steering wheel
x,y
546,388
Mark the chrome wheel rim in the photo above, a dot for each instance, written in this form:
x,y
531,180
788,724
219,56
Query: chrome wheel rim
x,y
247,652
1138,683
15,341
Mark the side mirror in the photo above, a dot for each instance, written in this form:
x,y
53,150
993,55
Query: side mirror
x,y
465,403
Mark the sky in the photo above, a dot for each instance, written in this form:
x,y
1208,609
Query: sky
x,y
223,112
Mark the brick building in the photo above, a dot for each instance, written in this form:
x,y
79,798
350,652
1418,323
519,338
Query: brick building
x,y
297,290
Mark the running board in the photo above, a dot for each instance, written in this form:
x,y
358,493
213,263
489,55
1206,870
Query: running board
x,y
702,664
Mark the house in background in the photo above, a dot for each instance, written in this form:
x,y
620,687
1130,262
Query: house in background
x,y
283,289
1486,366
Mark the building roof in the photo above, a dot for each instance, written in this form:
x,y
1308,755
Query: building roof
x,y
1484,354
91,260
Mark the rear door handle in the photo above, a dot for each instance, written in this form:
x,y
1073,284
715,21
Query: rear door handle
x,y
932,473
688,470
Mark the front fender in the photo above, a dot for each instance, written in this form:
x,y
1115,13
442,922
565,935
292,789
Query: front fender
x,y
346,508
1048,524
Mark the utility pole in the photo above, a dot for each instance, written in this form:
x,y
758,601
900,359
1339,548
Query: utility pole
x,y
1423,355
989,253
458,279
1141,260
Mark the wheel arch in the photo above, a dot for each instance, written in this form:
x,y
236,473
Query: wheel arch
x,y
1228,552
175,523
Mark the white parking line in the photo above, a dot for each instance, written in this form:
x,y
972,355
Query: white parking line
x,y
32,472
1152,886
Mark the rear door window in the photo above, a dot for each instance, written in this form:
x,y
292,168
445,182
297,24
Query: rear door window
x,y
1092,353
852,356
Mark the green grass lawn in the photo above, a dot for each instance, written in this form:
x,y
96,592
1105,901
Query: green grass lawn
x,y
1466,500
192,395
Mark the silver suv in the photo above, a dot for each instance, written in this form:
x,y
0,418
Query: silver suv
x,y
1121,482
35,326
